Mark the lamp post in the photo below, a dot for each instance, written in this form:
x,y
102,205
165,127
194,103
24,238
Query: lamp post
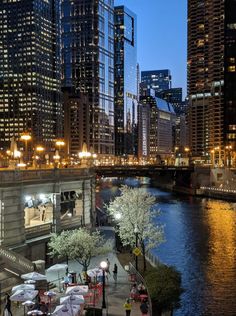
x,y
136,245
60,143
103,265
26,137
39,149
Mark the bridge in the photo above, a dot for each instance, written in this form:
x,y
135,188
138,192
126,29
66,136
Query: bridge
x,y
165,176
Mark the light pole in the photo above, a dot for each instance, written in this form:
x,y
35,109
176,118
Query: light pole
x,y
40,149
136,245
26,137
103,265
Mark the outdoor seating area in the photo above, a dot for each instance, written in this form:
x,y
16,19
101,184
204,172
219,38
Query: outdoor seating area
x,y
68,297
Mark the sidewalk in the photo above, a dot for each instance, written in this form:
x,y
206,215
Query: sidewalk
x,y
116,294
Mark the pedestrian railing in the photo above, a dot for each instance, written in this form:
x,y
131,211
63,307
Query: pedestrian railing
x,y
139,278
15,261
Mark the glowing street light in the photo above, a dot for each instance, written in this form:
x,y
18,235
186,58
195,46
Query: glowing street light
x,y
26,137
103,265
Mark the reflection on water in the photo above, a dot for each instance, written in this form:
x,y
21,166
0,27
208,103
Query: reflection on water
x,y
201,243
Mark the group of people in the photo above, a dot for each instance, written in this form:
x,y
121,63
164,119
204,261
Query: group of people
x,y
135,292
115,270
143,307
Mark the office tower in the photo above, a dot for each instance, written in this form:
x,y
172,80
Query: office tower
x,y
76,122
88,64
156,128
125,82
30,71
173,96
212,76
158,80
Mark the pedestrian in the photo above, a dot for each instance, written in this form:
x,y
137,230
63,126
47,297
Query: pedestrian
x,y
7,308
127,307
108,266
115,271
144,308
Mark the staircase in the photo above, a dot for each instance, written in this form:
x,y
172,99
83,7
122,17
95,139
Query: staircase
x,y
12,265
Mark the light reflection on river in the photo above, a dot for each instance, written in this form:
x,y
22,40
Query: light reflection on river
x,y
201,243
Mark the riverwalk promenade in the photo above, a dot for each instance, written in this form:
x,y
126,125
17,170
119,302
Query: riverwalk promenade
x,y
116,293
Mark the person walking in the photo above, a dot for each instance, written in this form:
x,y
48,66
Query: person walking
x,y
115,271
127,307
144,308
108,269
7,308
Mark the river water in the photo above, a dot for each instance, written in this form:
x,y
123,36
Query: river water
x,y
201,243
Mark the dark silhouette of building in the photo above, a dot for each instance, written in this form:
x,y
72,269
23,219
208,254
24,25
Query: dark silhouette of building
x,y
88,64
126,93
212,75
30,97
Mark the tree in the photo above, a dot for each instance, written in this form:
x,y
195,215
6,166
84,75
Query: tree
x,y
164,286
80,245
135,214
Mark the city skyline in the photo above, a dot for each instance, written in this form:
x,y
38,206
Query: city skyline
x,y
165,16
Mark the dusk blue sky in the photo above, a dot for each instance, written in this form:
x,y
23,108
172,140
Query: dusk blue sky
x,y
162,36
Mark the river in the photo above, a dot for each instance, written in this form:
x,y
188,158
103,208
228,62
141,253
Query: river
x,y
201,243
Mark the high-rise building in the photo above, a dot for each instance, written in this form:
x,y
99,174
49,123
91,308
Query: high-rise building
x,y
212,75
173,96
30,98
88,64
158,80
125,82
156,128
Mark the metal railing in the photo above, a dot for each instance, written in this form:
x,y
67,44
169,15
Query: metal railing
x,y
139,279
15,261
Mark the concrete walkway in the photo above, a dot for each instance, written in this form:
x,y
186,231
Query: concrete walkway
x,y
116,293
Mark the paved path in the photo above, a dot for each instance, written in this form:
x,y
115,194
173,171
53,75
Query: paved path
x,y
116,294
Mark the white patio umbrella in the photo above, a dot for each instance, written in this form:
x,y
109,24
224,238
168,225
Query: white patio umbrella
x,y
92,273
72,299
35,312
34,276
28,303
23,295
23,287
57,268
78,289
66,310
29,281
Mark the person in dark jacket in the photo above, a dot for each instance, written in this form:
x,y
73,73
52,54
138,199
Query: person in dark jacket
x,y
144,308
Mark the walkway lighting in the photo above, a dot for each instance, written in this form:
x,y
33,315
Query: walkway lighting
x,y
103,266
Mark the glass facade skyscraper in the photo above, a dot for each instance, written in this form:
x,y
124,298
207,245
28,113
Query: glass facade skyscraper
x,y
88,64
125,81
30,98
158,80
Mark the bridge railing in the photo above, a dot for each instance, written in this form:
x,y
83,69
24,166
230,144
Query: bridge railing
x,y
14,176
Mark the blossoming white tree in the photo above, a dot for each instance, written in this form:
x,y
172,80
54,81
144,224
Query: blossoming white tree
x,y
134,213
80,245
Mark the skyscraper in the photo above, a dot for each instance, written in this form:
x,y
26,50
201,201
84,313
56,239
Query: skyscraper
x,y
212,75
30,71
158,80
125,82
88,64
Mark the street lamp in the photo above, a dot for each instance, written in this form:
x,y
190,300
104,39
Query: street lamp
x,y
136,245
103,266
26,137
39,149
